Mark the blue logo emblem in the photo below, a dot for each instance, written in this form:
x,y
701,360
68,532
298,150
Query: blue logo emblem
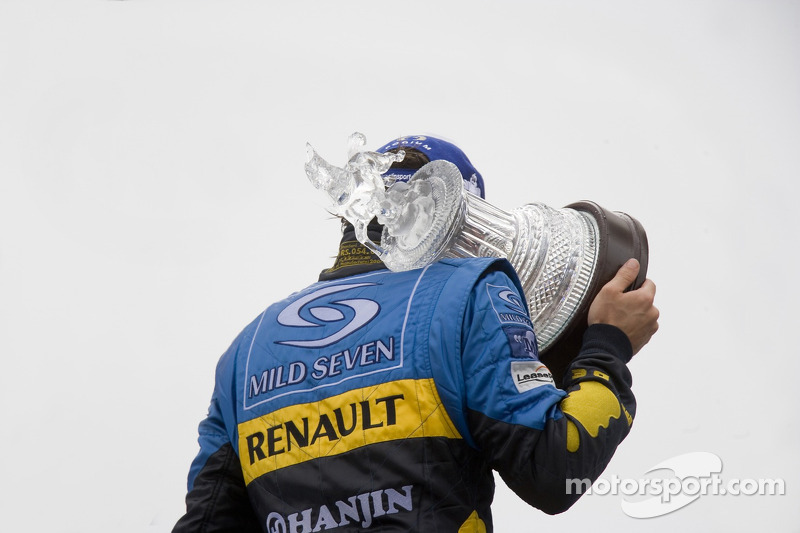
x,y
315,312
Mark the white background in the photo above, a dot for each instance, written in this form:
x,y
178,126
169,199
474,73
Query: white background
x,y
153,201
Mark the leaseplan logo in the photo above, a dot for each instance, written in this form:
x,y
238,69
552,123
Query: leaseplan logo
x,y
530,374
324,313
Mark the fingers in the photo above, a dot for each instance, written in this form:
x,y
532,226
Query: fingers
x,y
648,290
648,328
649,286
625,276
633,312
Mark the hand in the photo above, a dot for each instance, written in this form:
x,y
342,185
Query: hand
x,y
633,312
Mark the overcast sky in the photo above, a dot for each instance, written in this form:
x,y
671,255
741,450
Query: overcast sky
x,y
153,201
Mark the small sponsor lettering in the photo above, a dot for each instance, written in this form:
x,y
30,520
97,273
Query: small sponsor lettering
x,y
528,375
353,253
360,510
415,141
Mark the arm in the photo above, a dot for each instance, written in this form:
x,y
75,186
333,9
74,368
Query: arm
x,y
217,498
538,438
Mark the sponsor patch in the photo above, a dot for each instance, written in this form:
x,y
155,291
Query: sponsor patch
x,y
508,306
395,410
522,341
528,375
312,333
359,509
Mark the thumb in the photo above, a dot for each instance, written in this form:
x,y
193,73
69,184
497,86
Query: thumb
x,y
625,276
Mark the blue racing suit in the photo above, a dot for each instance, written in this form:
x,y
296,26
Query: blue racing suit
x,y
383,401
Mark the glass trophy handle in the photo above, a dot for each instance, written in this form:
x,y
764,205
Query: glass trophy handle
x,y
430,213
420,217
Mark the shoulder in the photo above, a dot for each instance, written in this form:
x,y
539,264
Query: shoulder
x,y
479,267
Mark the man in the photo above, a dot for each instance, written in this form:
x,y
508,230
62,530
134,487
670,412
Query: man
x,y
382,401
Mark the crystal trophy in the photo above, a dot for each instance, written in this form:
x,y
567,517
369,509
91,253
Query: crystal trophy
x,y
562,256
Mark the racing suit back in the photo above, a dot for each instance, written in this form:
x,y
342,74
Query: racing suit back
x,y
383,401
340,422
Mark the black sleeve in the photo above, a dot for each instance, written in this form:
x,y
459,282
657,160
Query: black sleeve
x,y
578,438
218,501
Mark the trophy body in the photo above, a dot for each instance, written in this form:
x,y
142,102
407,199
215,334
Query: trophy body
x,y
562,256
